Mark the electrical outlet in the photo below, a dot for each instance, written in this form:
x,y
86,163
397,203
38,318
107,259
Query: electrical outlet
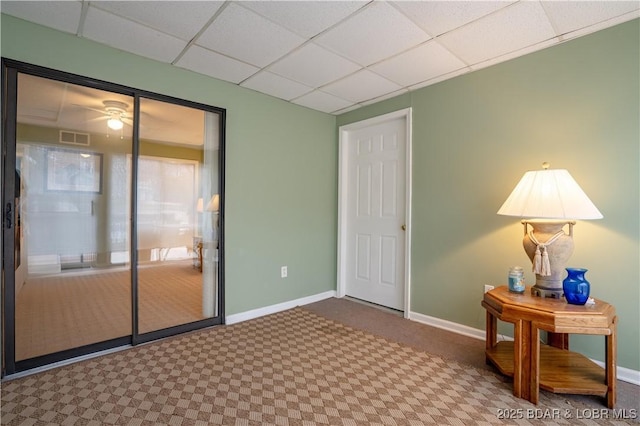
x,y
488,288
283,272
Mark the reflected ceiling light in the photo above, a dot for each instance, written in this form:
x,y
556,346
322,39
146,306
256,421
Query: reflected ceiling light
x,y
115,123
116,111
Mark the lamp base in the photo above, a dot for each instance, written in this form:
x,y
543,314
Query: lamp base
x,y
547,292
555,244
548,286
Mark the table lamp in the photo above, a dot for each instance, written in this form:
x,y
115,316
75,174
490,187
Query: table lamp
x,y
547,200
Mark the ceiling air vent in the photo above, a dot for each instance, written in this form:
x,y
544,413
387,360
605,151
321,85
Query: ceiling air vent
x,y
74,138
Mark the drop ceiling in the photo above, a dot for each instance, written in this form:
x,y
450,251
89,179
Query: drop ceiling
x,y
331,56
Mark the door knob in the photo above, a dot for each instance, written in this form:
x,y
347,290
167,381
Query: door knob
x,y
404,227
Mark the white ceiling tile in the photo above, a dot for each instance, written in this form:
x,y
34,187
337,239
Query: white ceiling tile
x,y
322,101
277,86
508,30
306,18
312,52
361,86
374,33
126,35
570,15
422,63
438,17
182,19
215,65
247,36
314,66
60,15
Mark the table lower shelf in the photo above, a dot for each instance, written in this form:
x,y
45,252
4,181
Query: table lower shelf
x,y
561,371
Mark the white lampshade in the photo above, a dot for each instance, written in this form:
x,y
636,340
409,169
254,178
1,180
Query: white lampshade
x,y
214,204
549,194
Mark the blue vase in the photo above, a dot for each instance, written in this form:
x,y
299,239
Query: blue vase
x,y
576,287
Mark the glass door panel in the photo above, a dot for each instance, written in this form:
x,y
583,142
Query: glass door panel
x,y
177,209
73,179
84,159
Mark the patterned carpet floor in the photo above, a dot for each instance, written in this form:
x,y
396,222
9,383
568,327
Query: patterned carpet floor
x,y
289,368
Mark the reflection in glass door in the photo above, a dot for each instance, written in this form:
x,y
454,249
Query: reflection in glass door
x,y
72,269
177,216
87,166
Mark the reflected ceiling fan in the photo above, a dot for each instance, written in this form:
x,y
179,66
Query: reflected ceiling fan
x,y
115,112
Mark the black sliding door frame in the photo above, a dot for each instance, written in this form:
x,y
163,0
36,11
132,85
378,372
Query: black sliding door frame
x,y
10,71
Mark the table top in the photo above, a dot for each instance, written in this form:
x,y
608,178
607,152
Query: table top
x,y
554,315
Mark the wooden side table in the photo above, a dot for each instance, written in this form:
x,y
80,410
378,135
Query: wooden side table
x,y
552,367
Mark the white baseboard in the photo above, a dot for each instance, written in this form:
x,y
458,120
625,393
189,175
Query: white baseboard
x,y
448,325
625,374
267,310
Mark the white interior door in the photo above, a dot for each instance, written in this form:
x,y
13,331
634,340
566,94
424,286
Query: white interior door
x,y
374,181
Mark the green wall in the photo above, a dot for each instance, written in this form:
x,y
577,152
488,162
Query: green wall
x,y
575,105
281,161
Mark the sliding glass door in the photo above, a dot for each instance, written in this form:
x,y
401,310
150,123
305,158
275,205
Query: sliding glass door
x,y
112,216
72,214
177,251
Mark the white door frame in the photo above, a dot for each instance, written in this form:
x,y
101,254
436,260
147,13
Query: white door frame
x,y
343,173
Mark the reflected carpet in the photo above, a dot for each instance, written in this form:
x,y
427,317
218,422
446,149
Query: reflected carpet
x,y
69,310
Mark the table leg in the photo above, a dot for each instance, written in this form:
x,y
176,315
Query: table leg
x,y
558,340
527,359
611,365
492,333
534,382
522,359
517,359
